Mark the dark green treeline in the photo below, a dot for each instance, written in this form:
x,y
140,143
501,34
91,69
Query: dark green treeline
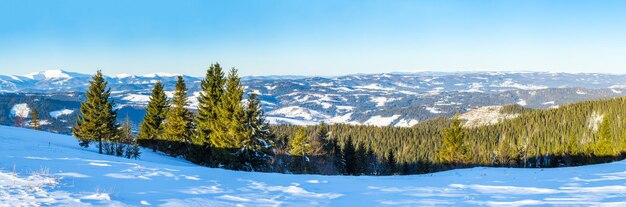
x,y
575,134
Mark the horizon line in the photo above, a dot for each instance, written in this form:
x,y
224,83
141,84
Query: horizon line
x,y
433,72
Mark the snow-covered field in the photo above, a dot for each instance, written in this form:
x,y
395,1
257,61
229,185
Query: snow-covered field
x,y
56,114
40,168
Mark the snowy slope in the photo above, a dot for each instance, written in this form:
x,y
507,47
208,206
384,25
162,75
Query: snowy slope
x,y
52,169
56,114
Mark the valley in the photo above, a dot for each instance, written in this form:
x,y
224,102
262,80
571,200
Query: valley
x,y
390,99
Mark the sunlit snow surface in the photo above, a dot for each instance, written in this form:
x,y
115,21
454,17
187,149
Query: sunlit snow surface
x,y
52,170
56,114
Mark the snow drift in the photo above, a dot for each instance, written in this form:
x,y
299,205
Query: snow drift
x,y
40,168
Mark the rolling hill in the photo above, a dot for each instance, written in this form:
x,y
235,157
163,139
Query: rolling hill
x,y
393,99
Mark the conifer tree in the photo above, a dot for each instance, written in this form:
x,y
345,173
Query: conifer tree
x,y
323,148
34,119
97,120
260,143
212,90
229,130
301,149
374,165
152,126
320,144
128,141
390,163
362,160
349,155
299,144
178,122
604,145
339,161
453,149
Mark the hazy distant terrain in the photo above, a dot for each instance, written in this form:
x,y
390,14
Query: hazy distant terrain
x,y
390,99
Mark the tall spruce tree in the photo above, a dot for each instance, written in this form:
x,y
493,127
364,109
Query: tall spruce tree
x,y
228,132
453,149
390,164
259,145
320,144
350,158
178,122
152,125
299,144
604,146
34,119
362,160
339,160
374,165
97,120
212,90
300,149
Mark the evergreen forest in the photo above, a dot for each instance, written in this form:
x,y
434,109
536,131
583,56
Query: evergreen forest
x,y
229,130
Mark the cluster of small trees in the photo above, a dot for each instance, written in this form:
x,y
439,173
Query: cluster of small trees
x,y
224,132
97,122
313,150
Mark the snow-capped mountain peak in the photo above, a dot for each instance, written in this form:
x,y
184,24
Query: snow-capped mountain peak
x,y
153,75
53,74
123,75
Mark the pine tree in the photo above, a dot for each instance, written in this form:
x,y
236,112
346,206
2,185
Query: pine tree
x,y
152,126
299,144
120,145
128,141
323,148
177,126
97,120
603,146
212,87
349,155
126,133
362,160
453,150
300,150
390,163
229,130
34,119
320,144
259,146
339,160
374,164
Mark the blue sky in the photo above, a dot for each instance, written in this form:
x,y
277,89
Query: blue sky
x,y
294,37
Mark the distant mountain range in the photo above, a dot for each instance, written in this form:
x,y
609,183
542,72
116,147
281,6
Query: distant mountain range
x,y
388,99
